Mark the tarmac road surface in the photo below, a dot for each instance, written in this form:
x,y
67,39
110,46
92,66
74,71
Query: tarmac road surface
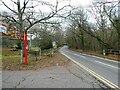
x,y
105,68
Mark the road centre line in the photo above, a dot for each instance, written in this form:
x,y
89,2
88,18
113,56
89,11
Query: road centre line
x,y
98,57
98,61
105,81
107,64
101,58
80,56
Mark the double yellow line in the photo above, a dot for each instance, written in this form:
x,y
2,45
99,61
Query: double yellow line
x,y
105,81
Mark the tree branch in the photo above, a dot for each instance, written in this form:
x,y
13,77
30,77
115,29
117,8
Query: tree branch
x,y
8,7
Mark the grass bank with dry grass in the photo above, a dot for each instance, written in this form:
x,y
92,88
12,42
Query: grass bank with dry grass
x,y
11,61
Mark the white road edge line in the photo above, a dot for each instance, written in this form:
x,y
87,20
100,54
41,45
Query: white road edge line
x,y
105,81
106,64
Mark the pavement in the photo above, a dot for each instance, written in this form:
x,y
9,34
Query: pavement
x,y
107,69
71,76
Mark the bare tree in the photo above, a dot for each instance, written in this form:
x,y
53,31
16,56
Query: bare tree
x,y
78,19
25,15
113,14
108,15
102,24
83,31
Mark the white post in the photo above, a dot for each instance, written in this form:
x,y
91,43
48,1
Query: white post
x,y
40,54
21,61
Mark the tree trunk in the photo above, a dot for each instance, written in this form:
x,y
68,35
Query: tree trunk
x,y
81,36
82,39
118,31
22,51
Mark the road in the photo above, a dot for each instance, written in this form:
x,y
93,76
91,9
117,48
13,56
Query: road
x,y
105,68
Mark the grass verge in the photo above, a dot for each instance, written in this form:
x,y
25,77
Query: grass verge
x,y
12,61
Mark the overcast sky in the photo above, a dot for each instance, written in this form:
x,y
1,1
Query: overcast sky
x,y
82,3
75,3
72,2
